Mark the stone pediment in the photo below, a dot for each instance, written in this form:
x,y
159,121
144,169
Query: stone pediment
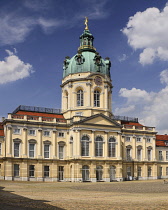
x,y
99,120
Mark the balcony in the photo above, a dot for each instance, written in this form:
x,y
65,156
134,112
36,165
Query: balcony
x,y
36,118
142,128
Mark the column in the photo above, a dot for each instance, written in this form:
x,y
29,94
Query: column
x,y
154,149
134,148
105,146
70,101
93,171
25,142
123,148
88,84
54,140
93,144
9,140
106,99
144,149
39,143
9,170
54,171
24,171
119,146
39,171
77,142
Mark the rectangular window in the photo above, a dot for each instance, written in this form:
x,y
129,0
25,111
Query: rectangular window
x,y
160,171
61,173
46,150
139,171
148,140
61,152
160,155
71,148
149,154
31,150
0,149
149,171
16,170
31,170
139,154
166,171
61,134
46,133
17,131
46,171
166,155
16,149
32,132
138,139
128,153
128,138
129,171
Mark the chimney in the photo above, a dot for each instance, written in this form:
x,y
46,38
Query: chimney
x,y
3,118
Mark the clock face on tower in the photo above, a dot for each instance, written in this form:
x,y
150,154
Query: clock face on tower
x,y
98,80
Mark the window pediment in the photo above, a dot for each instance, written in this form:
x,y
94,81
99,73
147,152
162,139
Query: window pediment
x,y
17,140
32,141
47,142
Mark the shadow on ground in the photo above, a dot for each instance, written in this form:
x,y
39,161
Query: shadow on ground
x,y
11,201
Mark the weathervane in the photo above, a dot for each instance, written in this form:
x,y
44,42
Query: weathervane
x,y
86,23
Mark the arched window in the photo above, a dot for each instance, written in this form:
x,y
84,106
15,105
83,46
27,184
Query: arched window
x,y
99,146
96,98
80,98
99,173
112,147
85,173
85,146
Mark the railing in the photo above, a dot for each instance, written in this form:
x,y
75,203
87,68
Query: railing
x,y
48,119
32,118
138,127
37,109
18,116
124,118
128,126
37,118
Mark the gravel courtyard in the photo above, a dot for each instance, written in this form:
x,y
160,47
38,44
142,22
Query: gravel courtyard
x,y
57,195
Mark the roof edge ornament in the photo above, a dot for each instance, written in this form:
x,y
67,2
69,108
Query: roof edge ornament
x,y
86,23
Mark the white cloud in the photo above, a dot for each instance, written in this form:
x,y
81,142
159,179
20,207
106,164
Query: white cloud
x,y
147,56
164,77
123,110
150,107
134,95
12,68
123,57
48,24
148,30
15,28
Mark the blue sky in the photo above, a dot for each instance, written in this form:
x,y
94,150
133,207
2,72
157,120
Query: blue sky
x,y
36,36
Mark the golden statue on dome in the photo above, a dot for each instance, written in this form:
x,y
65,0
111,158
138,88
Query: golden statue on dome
x,y
86,23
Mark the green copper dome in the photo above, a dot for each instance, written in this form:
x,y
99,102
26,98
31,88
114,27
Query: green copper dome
x,y
87,59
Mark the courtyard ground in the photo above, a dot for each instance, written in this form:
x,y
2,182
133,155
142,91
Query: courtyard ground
x,y
65,195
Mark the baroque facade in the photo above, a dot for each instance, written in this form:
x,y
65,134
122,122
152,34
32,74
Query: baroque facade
x,y
84,141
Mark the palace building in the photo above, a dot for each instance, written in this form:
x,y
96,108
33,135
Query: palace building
x,y
83,141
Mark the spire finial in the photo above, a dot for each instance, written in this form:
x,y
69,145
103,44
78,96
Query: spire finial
x,y
86,23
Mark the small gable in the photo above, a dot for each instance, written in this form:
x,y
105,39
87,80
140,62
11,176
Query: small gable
x,y
100,120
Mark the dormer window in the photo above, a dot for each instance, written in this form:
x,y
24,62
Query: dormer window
x,y
79,59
